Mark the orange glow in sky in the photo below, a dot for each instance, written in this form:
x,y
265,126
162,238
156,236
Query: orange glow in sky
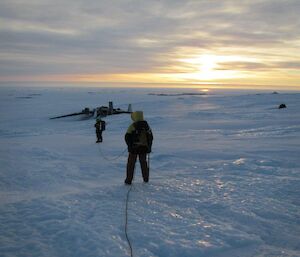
x,y
246,43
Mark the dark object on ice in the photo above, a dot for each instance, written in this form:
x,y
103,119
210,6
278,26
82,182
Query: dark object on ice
x,y
24,97
100,127
275,93
85,112
139,141
109,110
29,96
97,112
281,106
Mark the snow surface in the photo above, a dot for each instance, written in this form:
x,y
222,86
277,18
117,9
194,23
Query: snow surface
x,y
224,177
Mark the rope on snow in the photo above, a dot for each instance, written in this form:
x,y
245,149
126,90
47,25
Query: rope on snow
x,y
111,159
127,197
126,220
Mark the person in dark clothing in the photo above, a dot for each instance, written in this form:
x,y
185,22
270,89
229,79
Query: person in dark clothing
x,y
139,139
100,127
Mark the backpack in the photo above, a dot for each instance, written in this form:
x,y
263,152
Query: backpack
x,y
141,137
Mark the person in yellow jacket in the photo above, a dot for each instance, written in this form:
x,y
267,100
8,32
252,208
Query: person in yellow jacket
x,y
139,139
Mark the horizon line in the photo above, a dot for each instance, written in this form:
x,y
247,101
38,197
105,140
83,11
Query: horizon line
x,y
191,85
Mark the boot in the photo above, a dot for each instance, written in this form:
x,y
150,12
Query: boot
x,y
127,182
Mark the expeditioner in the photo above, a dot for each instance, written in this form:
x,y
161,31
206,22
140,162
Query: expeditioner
x,y
139,139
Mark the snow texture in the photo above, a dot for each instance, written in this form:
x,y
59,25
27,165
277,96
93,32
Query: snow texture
x,y
224,178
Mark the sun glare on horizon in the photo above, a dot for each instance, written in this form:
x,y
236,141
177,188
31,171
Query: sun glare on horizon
x,y
207,67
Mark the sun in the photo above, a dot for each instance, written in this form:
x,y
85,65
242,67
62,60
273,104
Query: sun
x,y
203,65
206,67
205,90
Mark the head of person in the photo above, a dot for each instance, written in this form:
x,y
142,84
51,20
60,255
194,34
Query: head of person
x,y
137,116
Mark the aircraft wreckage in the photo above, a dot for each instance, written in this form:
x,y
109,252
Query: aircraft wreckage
x,y
102,111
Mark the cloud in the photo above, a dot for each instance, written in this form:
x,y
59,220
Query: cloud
x,y
244,66
102,37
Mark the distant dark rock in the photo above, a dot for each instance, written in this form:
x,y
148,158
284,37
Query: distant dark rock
x,y
29,96
24,97
275,93
281,106
34,94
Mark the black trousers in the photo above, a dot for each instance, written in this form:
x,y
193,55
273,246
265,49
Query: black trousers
x,y
99,135
131,164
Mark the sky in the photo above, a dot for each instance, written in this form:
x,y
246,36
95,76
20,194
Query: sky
x,y
194,42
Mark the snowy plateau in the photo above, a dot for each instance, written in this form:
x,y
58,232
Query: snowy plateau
x,y
224,174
